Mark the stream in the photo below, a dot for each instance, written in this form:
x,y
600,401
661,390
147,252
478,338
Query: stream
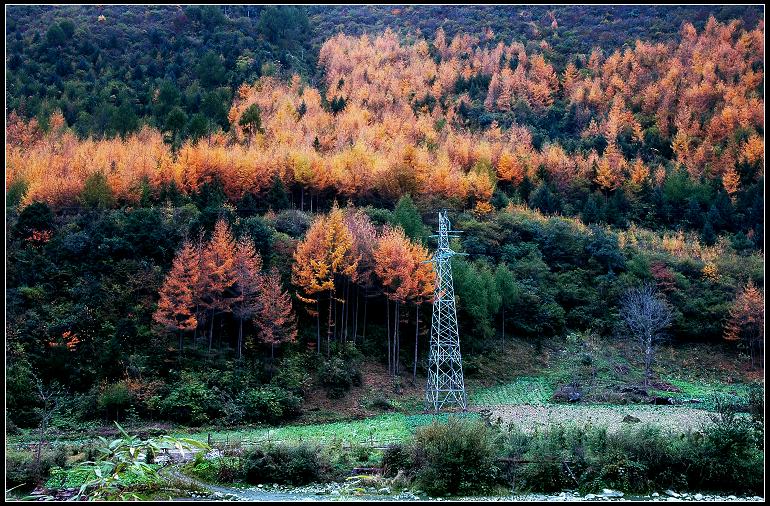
x,y
344,492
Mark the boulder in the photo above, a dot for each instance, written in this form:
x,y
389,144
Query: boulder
x,y
611,493
631,419
567,393
671,493
633,389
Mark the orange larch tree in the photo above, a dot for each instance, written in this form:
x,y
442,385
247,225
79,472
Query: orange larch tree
x,y
364,236
310,272
325,254
248,279
399,265
218,274
747,321
176,306
274,316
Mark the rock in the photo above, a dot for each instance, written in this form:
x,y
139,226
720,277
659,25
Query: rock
x,y
731,498
569,393
633,389
664,401
698,497
631,419
384,490
611,493
590,496
655,494
671,493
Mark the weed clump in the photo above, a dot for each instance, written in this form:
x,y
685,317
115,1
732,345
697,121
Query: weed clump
x,y
288,465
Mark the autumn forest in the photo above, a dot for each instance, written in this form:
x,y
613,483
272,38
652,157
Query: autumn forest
x,y
231,222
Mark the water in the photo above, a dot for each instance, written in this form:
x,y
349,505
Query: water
x,y
338,492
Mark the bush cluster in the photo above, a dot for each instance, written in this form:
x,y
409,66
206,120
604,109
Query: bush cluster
x,y
464,457
21,468
456,457
291,465
340,372
727,457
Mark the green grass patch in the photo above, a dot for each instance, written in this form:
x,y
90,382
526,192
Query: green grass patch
x,y
75,477
385,429
524,390
705,392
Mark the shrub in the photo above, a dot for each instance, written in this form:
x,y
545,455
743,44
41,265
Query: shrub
x,y
269,404
726,458
219,469
16,192
756,403
97,192
114,399
21,468
730,456
395,458
292,375
291,465
21,399
292,222
191,401
36,216
338,375
382,403
456,457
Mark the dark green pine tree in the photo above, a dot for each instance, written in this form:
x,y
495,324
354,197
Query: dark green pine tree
x,y
708,236
408,217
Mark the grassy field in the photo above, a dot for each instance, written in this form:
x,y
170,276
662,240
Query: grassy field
x,y
379,430
524,390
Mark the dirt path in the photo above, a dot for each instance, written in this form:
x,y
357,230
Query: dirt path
x,y
528,417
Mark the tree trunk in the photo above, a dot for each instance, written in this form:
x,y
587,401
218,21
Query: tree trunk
x,y
329,331
240,336
503,327
355,316
345,305
397,340
336,316
416,338
366,299
647,361
197,319
272,359
211,330
387,313
318,325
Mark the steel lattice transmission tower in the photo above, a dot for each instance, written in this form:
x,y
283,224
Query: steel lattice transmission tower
x,y
445,367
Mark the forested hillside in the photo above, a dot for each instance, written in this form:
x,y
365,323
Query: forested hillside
x,y
212,211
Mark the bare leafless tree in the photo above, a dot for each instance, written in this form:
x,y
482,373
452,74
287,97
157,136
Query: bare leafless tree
x,y
50,397
645,313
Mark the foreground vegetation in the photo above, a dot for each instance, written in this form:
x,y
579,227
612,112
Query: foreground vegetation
x,y
459,456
